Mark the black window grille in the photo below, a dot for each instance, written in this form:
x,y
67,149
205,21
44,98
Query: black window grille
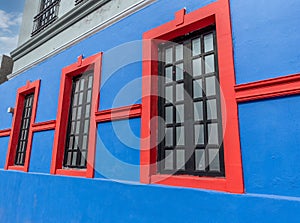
x,y
79,122
77,2
47,14
189,103
23,135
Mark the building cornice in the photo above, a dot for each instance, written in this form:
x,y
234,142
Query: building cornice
x,y
57,27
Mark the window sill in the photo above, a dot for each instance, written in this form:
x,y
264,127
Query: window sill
x,y
211,183
18,168
72,172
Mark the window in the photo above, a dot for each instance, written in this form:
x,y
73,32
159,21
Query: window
x,y
75,131
194,141
19,150
190,106
25,125
79,121
47,14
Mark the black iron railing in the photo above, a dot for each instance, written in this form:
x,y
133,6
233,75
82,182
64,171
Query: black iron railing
x,y
47,15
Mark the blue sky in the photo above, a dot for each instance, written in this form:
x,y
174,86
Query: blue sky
x,y
10,21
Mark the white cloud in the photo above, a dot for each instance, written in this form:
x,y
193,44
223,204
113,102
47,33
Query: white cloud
x,y
7,44
9,19
8,36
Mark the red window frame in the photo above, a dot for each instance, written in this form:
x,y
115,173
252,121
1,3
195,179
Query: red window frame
x,y
82,65
217,14
30,87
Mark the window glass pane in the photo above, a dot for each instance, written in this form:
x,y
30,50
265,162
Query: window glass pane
x,y
179,52
209,64
180,159
179,113
169,94
179,92
86,126
85,143
200,159
74,159
169,74
75,99
180,136
81,84
196,47
169,55
77,127
210,83
213,135
197,64
169,159
79,113
90,84
80,98
197,88
208,42
199,134
83,158
169,114
214,159
169,137
212,109
87,111
89,96
198,111
179,71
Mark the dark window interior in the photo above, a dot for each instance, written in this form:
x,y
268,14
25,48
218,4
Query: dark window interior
x,y
189,103
23,135
79,122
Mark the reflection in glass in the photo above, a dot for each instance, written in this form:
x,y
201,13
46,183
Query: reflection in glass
x,y
199,134
208,42
209,64
214,160
169,55
197,88
197,64
212,109
198,111
210,83
180,159
179,52
169,159
200,159
196,47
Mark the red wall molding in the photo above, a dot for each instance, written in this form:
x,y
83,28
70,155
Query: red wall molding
x,y
5,132
43,126
275,87
125,112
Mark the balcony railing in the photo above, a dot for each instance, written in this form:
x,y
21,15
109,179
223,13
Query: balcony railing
x,y
48,14
77,2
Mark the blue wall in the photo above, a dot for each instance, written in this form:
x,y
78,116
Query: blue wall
x,y
268,129
45,198
266,38
270,142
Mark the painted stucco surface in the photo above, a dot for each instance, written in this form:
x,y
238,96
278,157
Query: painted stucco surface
x,y
268,131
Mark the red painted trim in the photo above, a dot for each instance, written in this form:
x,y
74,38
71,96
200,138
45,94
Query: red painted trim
x,y
43,126
125,112
82,65
217,13
5,132
33,87
71,172
275,87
